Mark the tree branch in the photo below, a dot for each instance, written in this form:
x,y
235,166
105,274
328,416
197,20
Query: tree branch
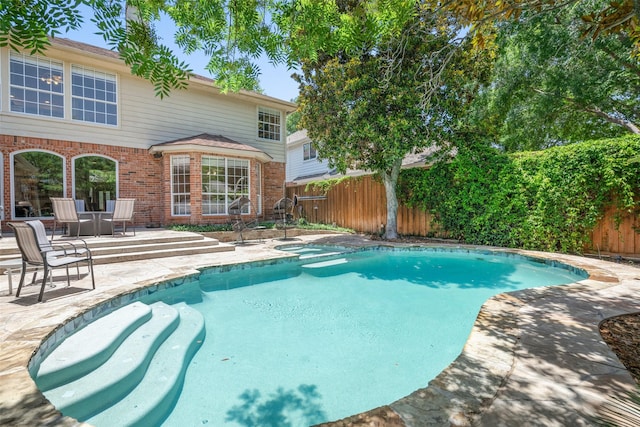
x,y
626,124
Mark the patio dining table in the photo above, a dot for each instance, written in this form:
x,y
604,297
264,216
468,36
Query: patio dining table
x,y
96,227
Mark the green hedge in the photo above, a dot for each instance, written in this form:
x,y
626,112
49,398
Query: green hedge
x,y
546,200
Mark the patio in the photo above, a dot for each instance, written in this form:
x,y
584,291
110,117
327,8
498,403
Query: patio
x,y
534,357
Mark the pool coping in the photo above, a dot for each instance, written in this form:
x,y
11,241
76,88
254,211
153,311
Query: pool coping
x,y
532,354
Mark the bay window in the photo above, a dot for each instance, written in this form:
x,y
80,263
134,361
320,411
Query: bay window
x,y
223,181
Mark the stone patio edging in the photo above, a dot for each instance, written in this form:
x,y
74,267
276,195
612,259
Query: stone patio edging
x,y
468,392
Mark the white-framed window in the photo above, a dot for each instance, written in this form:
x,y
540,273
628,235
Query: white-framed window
x,y
36,85
36,176
309,151
180,185
268,124
223,181
94,181
94,96
258,187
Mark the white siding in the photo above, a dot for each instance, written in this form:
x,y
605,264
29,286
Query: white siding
x,y
298,167
145,119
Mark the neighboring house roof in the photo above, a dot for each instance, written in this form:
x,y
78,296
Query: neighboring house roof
x,y
297,137
194,78
412,160
421,158
214,144
327,175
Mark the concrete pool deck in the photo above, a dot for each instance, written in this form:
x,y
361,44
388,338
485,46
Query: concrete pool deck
x,y
534,357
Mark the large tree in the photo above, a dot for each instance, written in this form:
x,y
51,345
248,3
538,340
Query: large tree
x,y
365,108
234,33
551,86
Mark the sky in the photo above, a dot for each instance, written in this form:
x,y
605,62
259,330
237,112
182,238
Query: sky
x,y
275,81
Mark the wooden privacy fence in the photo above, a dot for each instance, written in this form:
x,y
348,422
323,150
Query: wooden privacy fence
x,y
360,204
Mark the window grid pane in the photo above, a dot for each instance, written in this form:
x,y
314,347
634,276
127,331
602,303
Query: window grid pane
x,y
223,180
180,186
36,85
268,124
309,151
94,97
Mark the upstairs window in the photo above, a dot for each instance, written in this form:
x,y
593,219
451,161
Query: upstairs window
x,y
309,151
36,85
268,124
93,96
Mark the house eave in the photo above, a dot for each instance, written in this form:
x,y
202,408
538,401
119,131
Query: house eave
x,y
219,151
99,53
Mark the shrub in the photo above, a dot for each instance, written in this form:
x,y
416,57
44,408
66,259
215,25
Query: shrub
x,y
543,200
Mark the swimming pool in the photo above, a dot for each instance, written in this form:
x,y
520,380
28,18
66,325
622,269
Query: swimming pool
x,y
327,337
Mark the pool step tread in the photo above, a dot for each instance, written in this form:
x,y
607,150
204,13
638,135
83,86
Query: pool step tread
x,y
90,346
107,250
126,367
142,247
327,263
160,253
151,401
320,255
306,250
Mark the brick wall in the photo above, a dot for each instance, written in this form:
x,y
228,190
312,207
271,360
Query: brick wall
x,y
142,176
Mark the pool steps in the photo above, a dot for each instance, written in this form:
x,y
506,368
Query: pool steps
x,y
328,263
315,254
126,367
91,346
108,250
140,382
150,402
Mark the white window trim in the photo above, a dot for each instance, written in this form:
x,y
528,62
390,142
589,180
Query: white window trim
x,y
315,157
12,178
5,92
73,172
35,60
272,111
258,187
82,69
173,214
228,193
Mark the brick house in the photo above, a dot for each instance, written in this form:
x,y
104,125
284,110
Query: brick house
x,y
76,123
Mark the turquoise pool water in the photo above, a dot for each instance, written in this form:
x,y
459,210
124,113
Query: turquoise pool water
x,y
296,344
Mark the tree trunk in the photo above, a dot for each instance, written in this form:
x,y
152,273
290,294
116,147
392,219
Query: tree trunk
x,y
390,180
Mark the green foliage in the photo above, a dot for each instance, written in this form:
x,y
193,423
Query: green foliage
x,y
235,33
550,86
325,185
293,120
28,23
364,106
302,223
543,200
200,228
305,225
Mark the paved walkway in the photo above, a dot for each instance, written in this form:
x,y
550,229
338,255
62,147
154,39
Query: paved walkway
x,y
534,357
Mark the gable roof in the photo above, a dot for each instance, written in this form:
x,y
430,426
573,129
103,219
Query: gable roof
x,y
212,144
